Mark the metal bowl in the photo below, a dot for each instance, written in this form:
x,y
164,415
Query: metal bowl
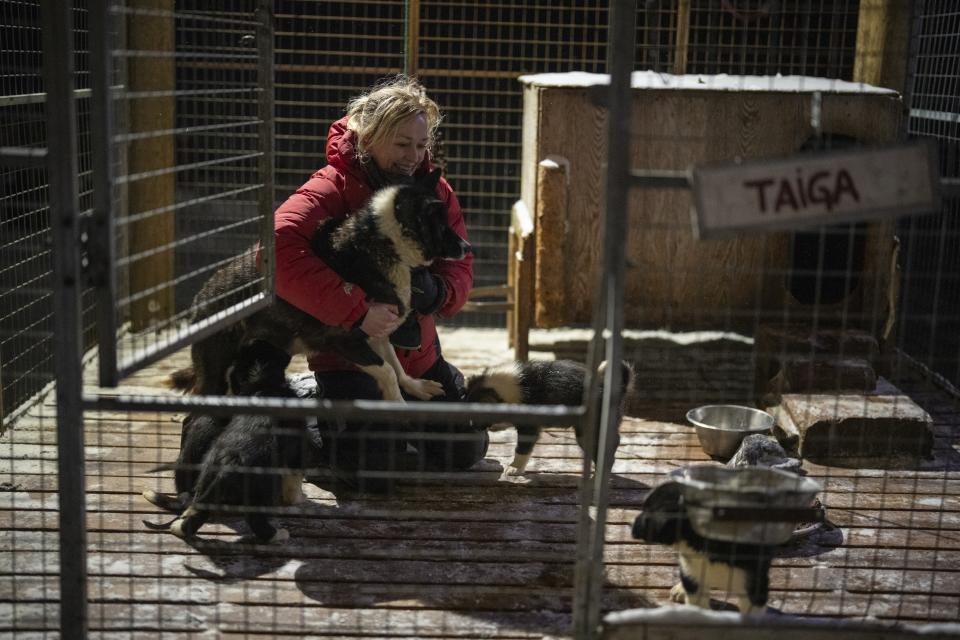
x,y
707,488
722,427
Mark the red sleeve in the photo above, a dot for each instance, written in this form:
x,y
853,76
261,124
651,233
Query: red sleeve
x,y
457,274
303,279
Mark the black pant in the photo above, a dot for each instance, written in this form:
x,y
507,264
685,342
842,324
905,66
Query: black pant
x,y
369,454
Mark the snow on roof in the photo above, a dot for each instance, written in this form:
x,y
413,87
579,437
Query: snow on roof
x,y
720,82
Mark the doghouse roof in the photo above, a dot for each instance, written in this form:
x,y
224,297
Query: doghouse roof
x,y
719,82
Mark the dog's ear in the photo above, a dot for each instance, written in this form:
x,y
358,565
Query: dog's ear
x,y
474,383
430,181
665,497
662,515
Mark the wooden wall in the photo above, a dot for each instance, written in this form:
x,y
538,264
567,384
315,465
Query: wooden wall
x,y
674,280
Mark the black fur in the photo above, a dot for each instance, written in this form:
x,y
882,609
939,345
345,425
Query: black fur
x,y
358,251
664,520
548,382
197,433
248,464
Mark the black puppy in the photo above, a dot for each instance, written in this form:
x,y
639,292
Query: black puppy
x,y
739,569
543,382
257,462
197,433
402,227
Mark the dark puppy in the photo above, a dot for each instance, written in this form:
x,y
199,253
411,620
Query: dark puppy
x,y
197,433
257,462
739,569
402,227
542,382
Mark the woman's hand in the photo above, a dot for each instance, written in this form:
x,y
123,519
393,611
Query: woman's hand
x,y
381,320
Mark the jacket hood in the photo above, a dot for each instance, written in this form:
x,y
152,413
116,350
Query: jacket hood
x,y
342,151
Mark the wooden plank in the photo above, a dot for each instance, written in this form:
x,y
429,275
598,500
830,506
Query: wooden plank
x,y
512,266
333,539
532,523
274,562
153,32
883,34
312,592
682,37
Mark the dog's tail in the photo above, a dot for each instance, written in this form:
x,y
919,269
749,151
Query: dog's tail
x,y
626,377
182,379
166,466
159,526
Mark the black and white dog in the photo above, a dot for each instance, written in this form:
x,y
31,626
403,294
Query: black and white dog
x,y
542,382
402,227
735,568
257,462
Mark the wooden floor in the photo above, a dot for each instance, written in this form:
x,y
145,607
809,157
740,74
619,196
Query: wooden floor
x,y
463,555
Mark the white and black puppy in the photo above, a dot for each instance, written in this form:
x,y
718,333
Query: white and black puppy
x,y
737,569
258,461
402,227
542,382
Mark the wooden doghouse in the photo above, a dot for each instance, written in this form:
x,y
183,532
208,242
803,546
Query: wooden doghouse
x,y
674,280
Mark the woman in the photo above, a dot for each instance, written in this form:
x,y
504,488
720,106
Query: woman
x,y
384,139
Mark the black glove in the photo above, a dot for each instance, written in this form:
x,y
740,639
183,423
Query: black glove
x,y
407,335
427,291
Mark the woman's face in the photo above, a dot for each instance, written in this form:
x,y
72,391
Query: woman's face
x,y
404,153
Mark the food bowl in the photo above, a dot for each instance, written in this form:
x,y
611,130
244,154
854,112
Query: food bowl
x,y
709,490
722,427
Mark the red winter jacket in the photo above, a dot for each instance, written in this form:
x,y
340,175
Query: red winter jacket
x,y
337,190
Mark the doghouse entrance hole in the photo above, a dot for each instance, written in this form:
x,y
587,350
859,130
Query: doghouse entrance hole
x,y
826,264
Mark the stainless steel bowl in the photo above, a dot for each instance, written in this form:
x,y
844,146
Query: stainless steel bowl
x,y
707,488
722,427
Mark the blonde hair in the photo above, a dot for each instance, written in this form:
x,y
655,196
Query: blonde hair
x,y
375,116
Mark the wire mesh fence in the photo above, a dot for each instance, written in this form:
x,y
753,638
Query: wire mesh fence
x,y
25,345
410,527
194,170
760,38
929,319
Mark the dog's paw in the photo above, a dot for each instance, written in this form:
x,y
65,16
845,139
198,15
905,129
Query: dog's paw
x,y
177,529
514,476
677,594
422,389
282,535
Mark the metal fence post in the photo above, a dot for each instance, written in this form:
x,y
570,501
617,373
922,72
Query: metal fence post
x,y
101,272
58,75
265,113
589,570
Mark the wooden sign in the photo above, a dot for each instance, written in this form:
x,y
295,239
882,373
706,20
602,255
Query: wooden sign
x,y
815,189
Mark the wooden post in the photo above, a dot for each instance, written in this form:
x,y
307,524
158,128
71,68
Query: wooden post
x,y
512,250
551,222
152,33
412,40
683,37
881,59
883,39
